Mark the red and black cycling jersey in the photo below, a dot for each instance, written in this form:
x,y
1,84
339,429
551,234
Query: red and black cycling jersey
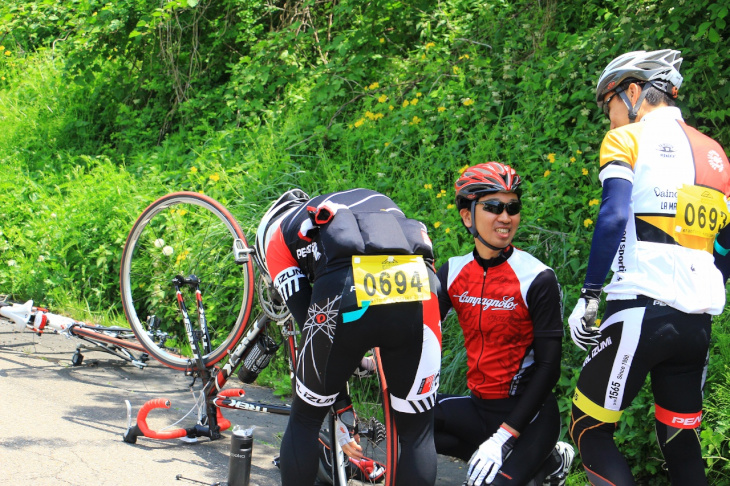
x,y
502,304
311,241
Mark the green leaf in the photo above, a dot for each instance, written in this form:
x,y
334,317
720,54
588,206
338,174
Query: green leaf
x,y
192,3
713,36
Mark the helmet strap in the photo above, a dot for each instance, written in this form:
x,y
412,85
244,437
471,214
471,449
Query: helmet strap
x,y
634,109
475,233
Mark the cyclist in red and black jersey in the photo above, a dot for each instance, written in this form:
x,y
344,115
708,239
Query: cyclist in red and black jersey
x,y
326,256
509,308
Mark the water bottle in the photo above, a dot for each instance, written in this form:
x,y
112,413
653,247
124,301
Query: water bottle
x,y
239,462
256,358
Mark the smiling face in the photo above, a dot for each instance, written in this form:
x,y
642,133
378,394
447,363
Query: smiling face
x,y
496,229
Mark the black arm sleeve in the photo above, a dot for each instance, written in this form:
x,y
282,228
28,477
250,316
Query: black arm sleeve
x,y
444,299
547,372
544,300
298,302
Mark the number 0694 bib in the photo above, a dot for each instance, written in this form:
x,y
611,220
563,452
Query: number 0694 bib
x,y
387,279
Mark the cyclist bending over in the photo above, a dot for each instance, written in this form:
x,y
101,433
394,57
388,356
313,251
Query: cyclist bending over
x,y
356,274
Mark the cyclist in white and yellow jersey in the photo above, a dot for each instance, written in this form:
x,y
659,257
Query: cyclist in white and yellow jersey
x,y
662,229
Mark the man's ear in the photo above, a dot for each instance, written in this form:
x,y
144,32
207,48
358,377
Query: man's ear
x,y
465,214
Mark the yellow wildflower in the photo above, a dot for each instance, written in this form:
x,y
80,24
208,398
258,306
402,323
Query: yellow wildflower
x,y
593,202
415,120
406,103
214,177
374,85
7,53
359,122
387,143
382,40
468,102
414,101
547,173
193,170
572,159
551,158
2,48
438,196
465,56
382,99
418,95
437,224
456,69
447,230
428,186
578,152
587,222
430,45
585,171
450,206
463,169
441,109
391,107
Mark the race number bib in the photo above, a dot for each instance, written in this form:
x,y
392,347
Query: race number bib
x,y
701,213
383,279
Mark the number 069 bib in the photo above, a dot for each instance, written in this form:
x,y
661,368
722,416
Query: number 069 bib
x,y
701,214
387,279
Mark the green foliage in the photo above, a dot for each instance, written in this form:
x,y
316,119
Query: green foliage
x,y
107,106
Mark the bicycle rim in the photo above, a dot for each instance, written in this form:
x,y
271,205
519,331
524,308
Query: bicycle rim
x,y
367,398
185,234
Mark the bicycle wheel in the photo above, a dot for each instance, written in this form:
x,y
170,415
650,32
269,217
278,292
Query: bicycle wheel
x,y
367,398
183,234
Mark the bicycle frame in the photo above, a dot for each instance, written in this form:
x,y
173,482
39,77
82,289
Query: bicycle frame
x,y
212,394
118,341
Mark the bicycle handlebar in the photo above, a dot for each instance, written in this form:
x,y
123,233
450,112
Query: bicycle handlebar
x,y
142,429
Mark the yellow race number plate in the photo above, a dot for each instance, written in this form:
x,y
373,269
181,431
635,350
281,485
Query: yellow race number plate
x,y
701,214
386,279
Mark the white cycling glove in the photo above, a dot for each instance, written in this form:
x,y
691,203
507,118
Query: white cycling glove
x,y
486,461
582,320
366,368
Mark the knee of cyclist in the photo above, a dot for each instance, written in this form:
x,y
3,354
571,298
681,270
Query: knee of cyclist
x,y
669,425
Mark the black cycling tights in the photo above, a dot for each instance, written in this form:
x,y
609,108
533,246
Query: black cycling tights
x,y
602,459
462,423
330,351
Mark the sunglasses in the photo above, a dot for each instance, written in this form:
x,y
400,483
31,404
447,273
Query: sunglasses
x,y
496,207
606,109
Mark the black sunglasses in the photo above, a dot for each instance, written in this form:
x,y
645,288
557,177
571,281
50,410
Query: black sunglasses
x,y
496,207
606,109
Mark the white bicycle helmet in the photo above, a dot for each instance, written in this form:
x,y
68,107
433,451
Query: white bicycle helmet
x,y
661,68
284,205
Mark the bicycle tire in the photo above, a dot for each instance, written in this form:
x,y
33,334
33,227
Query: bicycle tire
x,y
186,233
367,397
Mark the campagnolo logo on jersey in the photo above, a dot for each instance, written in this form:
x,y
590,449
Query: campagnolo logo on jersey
x,y
666,150
287,282
715,161
310,248
507,303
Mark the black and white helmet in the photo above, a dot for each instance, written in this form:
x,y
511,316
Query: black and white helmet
x,y
283,206
659,67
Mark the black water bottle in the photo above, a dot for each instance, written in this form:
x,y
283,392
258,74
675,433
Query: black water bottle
x,y
239,462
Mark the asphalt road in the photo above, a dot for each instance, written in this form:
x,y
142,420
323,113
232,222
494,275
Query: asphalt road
x,y
62,424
